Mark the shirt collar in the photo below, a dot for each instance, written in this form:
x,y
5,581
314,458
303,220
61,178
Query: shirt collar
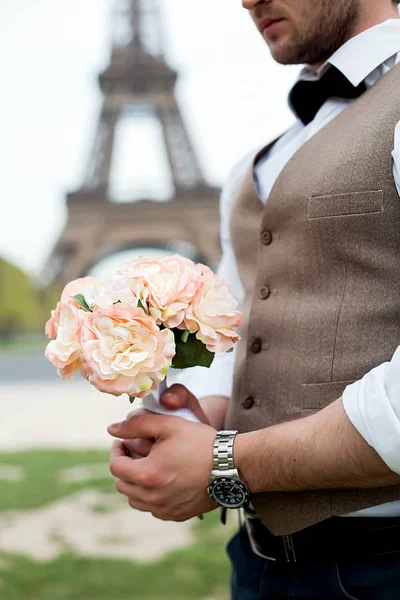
x,y
362,54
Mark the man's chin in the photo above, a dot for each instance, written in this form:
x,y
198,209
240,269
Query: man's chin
x,y
284,55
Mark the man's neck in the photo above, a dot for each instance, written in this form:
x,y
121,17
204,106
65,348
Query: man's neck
x,y
372,17
375,15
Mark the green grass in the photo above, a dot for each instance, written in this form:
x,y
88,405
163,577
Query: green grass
x,y
41,484
200,571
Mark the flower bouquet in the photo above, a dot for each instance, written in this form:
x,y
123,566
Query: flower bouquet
x,y
124,332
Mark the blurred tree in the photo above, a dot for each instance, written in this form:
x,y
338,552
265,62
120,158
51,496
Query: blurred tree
x,y
23,308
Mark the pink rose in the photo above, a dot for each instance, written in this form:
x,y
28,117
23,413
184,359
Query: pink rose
x,y
75,287
212,315
64,350
204,272
124,351
51,327
106,292
172,283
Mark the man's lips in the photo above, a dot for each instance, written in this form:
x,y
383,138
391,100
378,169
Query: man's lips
x,y
267,23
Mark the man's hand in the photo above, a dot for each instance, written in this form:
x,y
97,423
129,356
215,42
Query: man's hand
x,y
178,396
171,481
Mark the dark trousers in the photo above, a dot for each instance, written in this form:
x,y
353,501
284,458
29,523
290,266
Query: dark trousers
x,y
255,578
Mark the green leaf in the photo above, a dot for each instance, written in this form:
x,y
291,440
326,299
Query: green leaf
x,y
191,353
229,351
80,298
140,305
132,399
185,336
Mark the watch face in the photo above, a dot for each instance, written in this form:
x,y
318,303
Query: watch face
x,y
228,492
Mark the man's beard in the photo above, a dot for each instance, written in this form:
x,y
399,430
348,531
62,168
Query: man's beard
x,y
332,27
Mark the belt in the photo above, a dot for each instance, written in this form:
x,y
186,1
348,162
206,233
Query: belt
x,y
338,539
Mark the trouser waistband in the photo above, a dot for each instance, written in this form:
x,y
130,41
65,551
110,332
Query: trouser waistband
x,y
337,539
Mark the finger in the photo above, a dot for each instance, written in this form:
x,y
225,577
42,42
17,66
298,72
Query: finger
x,y
178,396
133,491
139,447
143,507
139,472
153,499
119,461
138,505
118,449
145,426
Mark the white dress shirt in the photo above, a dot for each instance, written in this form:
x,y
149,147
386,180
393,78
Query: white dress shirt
x,y
373,403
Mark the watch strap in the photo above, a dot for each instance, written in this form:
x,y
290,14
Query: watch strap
x,y
223,450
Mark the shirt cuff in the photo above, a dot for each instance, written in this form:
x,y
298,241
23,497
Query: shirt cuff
x,y
371,409
202,382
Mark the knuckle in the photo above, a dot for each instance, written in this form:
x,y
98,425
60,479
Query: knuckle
x,y
119,486
180,519
158,516
162,515
113,466
168,514
156,499
135,505
147,479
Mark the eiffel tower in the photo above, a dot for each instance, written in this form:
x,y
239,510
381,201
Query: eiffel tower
x,y
138,81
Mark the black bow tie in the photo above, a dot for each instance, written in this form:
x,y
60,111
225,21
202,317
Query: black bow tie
x,y
307,97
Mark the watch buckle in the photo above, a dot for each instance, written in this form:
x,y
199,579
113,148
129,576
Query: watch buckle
x,y
230,473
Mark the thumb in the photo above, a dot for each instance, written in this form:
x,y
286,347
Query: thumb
x,y
145,426
178,396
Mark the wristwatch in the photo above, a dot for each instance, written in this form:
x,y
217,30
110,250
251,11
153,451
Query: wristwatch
x,y
226,487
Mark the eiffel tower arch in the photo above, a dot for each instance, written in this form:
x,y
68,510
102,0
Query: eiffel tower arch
x,y
137,82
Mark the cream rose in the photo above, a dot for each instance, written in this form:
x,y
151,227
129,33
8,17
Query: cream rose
x,y
64,350
124,351
212,315
172,283
106,292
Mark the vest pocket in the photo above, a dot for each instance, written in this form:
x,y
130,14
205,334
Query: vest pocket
x,y
318,395
342,205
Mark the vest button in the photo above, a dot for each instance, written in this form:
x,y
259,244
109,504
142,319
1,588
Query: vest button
x,y
256,346
265,292
266,237
248,402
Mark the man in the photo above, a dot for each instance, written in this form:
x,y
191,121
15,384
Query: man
x,y
316,390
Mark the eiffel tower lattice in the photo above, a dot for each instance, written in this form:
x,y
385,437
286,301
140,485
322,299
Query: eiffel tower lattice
x,y
138,81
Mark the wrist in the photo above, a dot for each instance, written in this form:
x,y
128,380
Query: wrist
x,y
215,408
245,453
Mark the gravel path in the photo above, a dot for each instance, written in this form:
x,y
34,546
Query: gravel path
x,y
57,414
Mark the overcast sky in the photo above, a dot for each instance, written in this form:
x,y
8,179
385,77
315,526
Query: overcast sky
x,y
232,94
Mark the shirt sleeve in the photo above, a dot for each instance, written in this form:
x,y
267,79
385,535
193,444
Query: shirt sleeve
x,y
218,379
373,403
396,158
373,406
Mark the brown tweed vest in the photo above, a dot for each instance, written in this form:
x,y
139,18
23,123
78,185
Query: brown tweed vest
x,y
320,264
